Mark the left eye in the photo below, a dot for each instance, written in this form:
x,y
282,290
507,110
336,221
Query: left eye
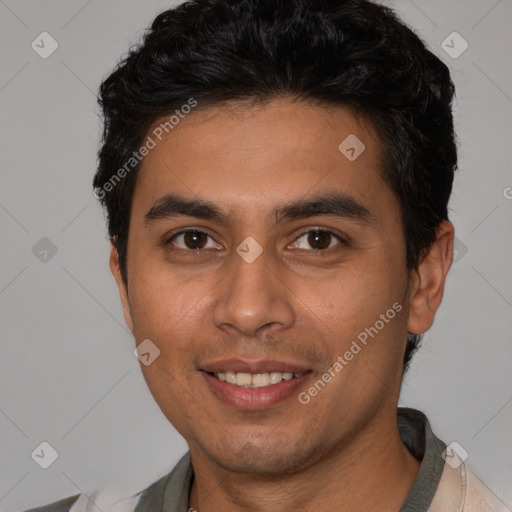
x,y
318,239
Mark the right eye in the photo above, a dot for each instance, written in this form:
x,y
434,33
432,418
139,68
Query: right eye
x,y
192,240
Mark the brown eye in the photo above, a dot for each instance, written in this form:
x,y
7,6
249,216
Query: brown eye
x,y
192,240
318,240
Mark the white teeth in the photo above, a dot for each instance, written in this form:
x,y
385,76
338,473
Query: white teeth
x,y
260,380
243,379
276,377
255,380
231,377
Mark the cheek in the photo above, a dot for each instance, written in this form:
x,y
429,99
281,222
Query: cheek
x,y
354,296
361,305
161,302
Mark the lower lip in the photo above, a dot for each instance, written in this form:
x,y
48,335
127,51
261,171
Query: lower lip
x,y
253,398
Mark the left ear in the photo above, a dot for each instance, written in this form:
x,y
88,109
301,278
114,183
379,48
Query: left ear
x,y
428,280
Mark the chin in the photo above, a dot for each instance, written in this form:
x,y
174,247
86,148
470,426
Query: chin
x,y
261,454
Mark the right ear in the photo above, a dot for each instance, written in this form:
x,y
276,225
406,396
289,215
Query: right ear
x,y
123,292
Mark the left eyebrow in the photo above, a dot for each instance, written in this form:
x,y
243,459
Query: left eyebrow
x,y
336,204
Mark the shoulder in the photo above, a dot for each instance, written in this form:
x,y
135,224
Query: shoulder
x,y
170,488
110,499
63,505
461,489
480,497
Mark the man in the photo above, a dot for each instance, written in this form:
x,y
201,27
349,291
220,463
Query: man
x,y
276,177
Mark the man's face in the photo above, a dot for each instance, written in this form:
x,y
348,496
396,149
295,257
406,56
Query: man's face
x,y
293,308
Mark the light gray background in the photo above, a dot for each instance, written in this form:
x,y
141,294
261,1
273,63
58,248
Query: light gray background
x,y
68,373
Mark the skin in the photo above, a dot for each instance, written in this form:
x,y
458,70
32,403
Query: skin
x,y
292,302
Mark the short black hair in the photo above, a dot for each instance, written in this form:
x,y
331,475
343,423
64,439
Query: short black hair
x,y
351,53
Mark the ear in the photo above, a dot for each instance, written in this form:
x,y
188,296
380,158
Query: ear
x,y
428,280
123,292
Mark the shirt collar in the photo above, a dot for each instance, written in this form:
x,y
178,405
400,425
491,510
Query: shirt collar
x,y
417,435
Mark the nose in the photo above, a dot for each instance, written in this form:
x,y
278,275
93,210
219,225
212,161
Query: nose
x,y
253,298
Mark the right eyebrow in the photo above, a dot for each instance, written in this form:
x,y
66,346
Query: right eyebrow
x,y
173,205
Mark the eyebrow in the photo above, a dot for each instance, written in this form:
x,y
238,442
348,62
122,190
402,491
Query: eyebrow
x,y
335,204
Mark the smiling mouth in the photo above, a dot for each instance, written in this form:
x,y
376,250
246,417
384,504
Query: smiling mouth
x,y
255,380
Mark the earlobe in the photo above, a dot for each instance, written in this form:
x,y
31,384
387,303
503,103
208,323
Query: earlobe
x,y
123,292
429,279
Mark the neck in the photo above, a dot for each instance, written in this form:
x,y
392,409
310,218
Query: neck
x,y
373,471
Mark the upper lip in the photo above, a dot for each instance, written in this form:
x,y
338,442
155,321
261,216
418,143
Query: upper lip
x,y
246,366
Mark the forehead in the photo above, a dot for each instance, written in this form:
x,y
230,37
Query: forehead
x,y
261,156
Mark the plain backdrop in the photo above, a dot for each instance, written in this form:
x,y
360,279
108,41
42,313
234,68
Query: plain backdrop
x,y
68,373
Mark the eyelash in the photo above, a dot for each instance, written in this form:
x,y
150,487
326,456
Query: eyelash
x,y
305,231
